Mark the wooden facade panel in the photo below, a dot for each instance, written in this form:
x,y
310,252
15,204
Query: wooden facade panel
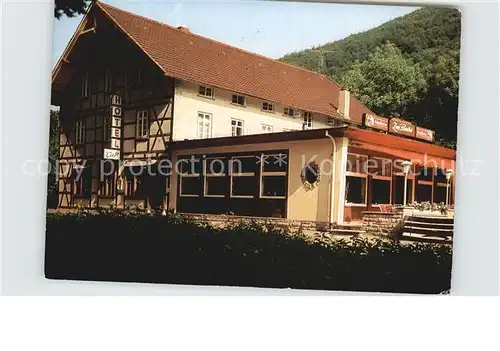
x,y
98,134
80,151
141,146
90,122
90,149
66,151
128,146
129,131
90,136
98,149
157,144
129,115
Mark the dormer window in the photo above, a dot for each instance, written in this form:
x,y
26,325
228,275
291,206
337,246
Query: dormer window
x,y
268,107
238,100
206,91
292,112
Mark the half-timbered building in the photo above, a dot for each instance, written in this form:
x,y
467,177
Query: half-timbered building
x,y
136,93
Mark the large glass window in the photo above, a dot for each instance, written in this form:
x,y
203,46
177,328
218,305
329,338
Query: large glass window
x,y
398,194
355,190
243,176
215,177
273,175
356,179
423,192
381,191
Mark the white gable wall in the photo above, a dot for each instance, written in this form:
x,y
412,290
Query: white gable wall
x,y
187,104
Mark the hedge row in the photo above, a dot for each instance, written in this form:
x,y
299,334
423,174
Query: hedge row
x,y
169,249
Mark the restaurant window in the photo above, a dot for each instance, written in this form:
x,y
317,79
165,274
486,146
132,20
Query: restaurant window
x,y
236,127
108,179
440,186
273,175
215,177
83,181
424,184
356,179
243,176
190,177
381,187
206,91
134,181
267,106
204,125
80,132
142,124
238,100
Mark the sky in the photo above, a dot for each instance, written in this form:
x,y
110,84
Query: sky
x,y
269,28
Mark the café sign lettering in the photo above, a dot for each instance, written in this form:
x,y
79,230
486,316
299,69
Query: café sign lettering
x,y
376,122
399,126
425,134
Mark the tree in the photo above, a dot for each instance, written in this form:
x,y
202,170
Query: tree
x,y
386,82
52,182
71,8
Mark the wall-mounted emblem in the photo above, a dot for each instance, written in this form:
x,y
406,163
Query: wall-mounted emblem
x,y
310,175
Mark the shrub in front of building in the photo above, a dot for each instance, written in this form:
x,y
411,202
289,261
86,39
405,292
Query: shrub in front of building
x,y
130,246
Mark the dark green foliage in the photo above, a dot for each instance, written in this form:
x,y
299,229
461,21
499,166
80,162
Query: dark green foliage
x,y
429,40
70,8
169,249
52,181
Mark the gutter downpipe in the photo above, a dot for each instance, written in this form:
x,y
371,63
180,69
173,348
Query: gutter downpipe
x,y
332,179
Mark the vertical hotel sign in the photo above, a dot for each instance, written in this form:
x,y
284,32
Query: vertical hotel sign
x,y
114,152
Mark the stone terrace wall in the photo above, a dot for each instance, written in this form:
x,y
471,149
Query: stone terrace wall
x,y
381,223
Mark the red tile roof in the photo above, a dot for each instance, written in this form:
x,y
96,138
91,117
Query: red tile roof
x,y
188,56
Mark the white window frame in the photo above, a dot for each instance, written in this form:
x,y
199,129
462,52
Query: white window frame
x,y
237,98
308,120
267,106
291,112
237,124
205,120
80,132
267,128
142,124
202,91
85,85
331,121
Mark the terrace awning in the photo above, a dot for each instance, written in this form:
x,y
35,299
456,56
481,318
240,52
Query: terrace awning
x,y
422,159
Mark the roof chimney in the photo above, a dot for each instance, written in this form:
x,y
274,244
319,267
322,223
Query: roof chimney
x,y
344,102
184,29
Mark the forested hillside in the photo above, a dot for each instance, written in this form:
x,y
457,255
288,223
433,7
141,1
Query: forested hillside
x,y
407,67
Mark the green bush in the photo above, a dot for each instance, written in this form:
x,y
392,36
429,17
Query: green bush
x,y
116,246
